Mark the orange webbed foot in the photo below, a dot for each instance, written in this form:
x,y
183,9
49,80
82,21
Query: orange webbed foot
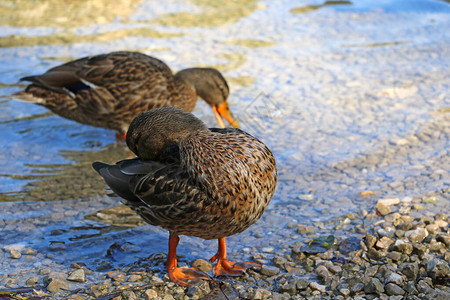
x,y
186,276
229,268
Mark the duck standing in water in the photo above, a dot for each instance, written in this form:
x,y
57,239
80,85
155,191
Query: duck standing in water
x,y
191,180
110,90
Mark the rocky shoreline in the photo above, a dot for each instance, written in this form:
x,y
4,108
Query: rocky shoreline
x,y
394,251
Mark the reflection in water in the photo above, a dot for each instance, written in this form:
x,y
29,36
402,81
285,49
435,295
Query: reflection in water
x,y
68,37
309,8
234,61
61,13
251,43
215,13
373,45
73,180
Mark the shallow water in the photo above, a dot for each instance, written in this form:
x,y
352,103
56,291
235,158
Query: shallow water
x,y
351,96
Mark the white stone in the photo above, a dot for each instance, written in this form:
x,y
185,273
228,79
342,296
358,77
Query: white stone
x,y
389,201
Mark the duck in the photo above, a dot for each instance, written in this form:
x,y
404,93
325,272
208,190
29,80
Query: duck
x,y
189,179
110,90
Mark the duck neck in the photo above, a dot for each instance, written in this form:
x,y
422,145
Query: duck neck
x,y
185,85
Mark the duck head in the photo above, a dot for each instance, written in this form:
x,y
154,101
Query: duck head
x,y
150,133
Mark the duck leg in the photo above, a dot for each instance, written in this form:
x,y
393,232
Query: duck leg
x,y
121,137
181,276
226,267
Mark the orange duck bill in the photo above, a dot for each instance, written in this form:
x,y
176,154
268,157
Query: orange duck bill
x,y
223,111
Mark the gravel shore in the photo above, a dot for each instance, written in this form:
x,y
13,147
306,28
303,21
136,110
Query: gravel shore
x,y
394,251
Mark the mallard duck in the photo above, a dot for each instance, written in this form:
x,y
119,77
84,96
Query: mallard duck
x,y
110,90
191,180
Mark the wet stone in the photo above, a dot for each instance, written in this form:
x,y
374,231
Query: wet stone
x,y
57,246
15,254
417,207
269,270
57,285
279,261
383,209
78,275
370,240
134,278
389,201
29,251
33,280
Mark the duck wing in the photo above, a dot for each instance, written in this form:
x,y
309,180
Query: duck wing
x,y
110,82
162,194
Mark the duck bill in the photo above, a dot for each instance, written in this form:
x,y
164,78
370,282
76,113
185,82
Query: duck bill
x,y
223,111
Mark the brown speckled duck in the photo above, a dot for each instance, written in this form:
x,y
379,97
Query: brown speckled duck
x,y
110,90
191,180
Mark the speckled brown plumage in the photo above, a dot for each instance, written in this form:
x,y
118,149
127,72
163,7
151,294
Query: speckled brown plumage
x,y
191,180
109,90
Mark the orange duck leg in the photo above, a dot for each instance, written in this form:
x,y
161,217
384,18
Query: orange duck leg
x,y
181,276
121,137
226,267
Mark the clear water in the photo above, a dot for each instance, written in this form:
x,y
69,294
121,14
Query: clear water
x,y
350,96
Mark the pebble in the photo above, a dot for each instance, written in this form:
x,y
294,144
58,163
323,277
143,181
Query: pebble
x,y
318,287
13,253
418,207
403,246
129,295
389,201
78,275
57,246
416,235
400,257
394,278
150,294
393,289
438,269
203,265
384,243
374,286
267,249
344,292
383,209
57,285
269,270
410,270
